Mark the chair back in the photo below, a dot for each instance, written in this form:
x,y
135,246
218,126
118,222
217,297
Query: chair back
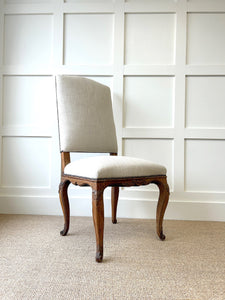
x,y
85,115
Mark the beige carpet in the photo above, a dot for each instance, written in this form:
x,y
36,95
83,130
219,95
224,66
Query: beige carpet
x,y
37,263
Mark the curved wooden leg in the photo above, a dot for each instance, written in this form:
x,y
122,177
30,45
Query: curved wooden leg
x,y
161,207
63,196
114,202
98,219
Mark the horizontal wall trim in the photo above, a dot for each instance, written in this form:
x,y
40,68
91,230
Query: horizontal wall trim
x,y
169,133
177,210
169,7
138,133
26,131
49,70
34,70
149,70
97,70
88,8
207,70
204,133
28,9
206,7
43,8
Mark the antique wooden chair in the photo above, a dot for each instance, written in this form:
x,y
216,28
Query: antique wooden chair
x,y
86,124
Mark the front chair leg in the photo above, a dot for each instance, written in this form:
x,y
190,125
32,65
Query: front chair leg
x,y
161,206
98,219
114,202
65,205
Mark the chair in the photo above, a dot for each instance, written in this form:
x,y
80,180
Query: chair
x,y
86,124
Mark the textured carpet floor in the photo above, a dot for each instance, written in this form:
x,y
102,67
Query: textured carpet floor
x,y
37,263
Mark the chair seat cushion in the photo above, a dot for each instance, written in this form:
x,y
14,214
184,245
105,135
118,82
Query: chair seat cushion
x,y
101,167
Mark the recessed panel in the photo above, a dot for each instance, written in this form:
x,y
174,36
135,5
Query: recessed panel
x,y
156,150
88,39
28,39
205,101
28,101
25,162
205,165
149,38
148,101
206,38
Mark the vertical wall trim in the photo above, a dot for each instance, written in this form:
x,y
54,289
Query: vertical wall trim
x,y
118,69
179,121
58,34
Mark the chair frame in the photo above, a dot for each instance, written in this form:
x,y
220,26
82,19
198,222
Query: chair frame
x,y
98,186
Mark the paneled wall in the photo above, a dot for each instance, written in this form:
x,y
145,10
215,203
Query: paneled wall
x,y
165,63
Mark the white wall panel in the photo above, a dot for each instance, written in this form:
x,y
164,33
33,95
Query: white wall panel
x,y
205,101
205,166
149,38
28,101
25,162
88,39
164,62
28,39
206,39
148,101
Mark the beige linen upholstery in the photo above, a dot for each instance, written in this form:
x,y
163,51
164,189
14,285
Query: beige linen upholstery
x,y
113,167
86,118
86,124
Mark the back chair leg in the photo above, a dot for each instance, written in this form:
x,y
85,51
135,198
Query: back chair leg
x,y
114,202
63,187
161,207
98,219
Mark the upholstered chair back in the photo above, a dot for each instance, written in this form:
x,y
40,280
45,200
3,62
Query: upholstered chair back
x,y
85,115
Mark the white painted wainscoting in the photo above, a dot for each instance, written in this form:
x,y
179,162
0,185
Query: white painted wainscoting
x,y
164,61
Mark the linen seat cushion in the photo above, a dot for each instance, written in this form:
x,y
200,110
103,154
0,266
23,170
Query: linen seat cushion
x,y
101,167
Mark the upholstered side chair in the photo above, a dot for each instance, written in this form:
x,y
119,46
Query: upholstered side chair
x,y
86,124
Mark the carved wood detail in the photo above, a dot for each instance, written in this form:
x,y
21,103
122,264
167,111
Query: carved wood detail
x,y
63,196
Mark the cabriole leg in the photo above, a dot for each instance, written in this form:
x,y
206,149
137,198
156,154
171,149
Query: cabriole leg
x,y
114,202
63,196
98,219
161,207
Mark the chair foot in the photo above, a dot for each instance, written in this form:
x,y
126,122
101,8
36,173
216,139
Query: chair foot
x,y
161,206
162,236
99,255
64,231
114,201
